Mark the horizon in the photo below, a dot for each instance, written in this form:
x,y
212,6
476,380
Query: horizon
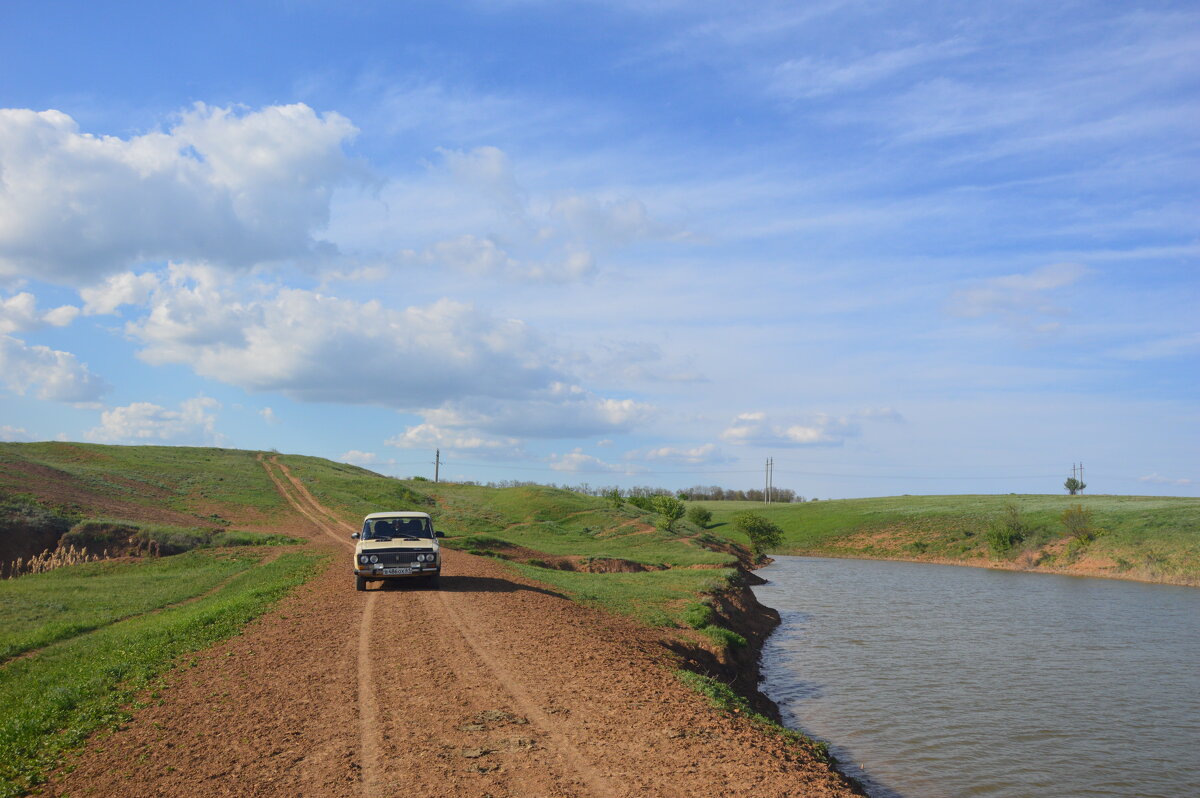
x,y
907,247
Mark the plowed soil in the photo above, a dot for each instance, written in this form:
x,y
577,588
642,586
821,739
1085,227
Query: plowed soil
x,y
490,686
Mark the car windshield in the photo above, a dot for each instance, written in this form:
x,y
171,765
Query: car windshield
x,y
397,528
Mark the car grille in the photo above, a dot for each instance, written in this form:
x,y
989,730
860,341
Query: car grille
x,y
395,556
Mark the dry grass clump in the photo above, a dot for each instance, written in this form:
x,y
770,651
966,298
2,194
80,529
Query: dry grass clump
x,y
49,559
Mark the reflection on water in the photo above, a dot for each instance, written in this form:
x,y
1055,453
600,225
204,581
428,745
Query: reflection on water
x,y
938,682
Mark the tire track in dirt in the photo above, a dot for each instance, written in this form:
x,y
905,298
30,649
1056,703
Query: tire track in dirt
x,y
368,719
522,699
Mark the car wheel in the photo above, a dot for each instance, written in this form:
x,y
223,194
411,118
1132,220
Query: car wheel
x,y
360,583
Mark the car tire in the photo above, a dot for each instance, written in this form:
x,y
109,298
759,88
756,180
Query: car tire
x,y
360,583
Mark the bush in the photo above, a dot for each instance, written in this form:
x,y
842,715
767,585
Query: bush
x,y
1078,521
763,534
700,516
1007,531
642,503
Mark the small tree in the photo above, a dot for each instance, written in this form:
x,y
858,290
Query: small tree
x,y
1074,485
1007,531
762,533
700,516
669,510
613,497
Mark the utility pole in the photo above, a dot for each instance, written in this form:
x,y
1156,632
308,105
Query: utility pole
x,y
768,480
437,464
1081,485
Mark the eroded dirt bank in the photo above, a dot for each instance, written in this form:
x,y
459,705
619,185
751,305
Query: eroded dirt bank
x,y
492,686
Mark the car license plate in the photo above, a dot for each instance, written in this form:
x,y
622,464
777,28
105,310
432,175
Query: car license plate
x,y
396,571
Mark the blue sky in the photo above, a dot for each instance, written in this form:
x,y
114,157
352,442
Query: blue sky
x,y
899,247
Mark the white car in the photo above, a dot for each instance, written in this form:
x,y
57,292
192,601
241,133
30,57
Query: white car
x,y
397,545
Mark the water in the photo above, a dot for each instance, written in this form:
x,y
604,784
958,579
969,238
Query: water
x,y
947,682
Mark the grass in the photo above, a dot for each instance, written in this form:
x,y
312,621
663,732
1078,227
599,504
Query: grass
x,y
722,697
1143,536
52,700
204,481
656,598
353,492
40,609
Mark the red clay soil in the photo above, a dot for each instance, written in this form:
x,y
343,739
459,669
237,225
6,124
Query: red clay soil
x,y
491,686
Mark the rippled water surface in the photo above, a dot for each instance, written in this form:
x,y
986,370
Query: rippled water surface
x,y
942,681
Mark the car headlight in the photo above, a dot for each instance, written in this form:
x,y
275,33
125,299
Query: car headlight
x,y
374,558
422,558
362,558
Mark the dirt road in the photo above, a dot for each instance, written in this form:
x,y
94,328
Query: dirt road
x,y
491,686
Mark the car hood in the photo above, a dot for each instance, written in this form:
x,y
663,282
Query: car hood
x,y
396,543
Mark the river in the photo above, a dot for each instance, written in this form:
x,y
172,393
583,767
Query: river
x,y
935,681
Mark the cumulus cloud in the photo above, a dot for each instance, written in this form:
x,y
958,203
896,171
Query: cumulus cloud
x,y
544,238
315,347
268,415
47,373
577,461
821,429
561,410
355,457
19,312
431,436
139,422
706,454
228,186
126,288
10,434
1019,299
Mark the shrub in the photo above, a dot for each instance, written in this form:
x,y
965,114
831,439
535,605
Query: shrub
x,y
1008,530
642,503
700,516
763,534
1078,521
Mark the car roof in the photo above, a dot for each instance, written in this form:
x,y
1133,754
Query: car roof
x,y
397,514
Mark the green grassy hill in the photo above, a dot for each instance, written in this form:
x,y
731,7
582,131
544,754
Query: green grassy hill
x,y
1139,537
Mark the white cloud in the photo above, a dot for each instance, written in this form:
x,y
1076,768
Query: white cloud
x,y
1172,346
697,455
315,347
562,410
811,77
268,415
355,457
576,461
1158,480
232,187
139,422
1019,299
430,436
19,312
10,434
126,288
49,373
756,429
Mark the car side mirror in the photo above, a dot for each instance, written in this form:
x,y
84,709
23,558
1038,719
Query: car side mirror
x,y
440,534
354,536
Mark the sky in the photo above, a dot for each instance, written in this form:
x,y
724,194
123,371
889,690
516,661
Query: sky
x,y
897,247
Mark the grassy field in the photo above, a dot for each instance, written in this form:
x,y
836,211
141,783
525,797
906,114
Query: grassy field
x,y
1154,538
98,652
217,484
